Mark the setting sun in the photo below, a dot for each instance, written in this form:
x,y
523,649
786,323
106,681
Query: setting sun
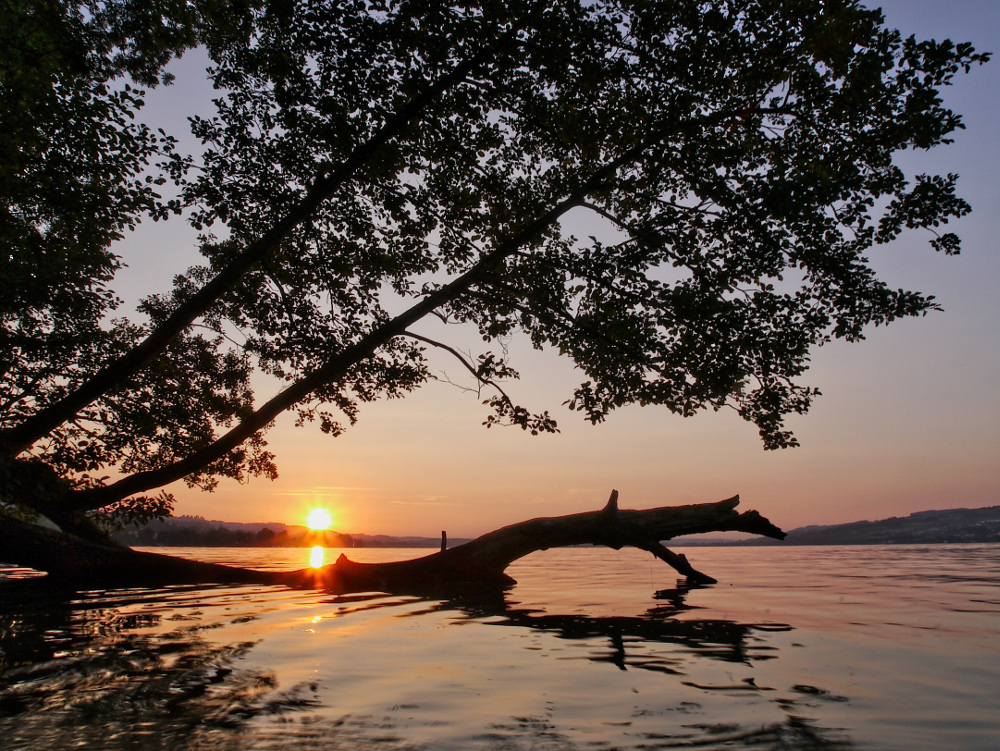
x,y
319,518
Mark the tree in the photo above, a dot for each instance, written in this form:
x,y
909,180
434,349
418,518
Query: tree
x,y
76,175
375,164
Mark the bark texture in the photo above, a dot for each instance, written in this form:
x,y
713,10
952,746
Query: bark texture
x,y
481,562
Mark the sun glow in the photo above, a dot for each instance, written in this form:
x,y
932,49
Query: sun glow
x,y
316,556
319,518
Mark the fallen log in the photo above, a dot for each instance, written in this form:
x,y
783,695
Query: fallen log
x,y
481,562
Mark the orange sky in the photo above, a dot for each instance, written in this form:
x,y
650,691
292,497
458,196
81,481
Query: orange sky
x,y
885,440
909,420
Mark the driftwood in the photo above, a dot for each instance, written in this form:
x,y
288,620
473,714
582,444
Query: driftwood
x,y
482,561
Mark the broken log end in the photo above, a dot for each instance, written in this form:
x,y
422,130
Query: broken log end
x,y
611,507
730,503
697,577
752,521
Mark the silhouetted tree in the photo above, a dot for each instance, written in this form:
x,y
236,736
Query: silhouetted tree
x,y
371,165
265,536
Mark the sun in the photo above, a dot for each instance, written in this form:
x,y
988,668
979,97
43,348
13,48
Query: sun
x,y
319,518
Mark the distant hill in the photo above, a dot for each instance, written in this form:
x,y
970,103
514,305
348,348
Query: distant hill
x,y
922,528
194,531
931,527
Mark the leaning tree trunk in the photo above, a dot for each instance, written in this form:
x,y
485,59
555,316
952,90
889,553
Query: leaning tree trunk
x,y
482,561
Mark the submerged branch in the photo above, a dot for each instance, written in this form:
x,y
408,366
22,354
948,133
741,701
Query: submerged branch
x,y
479,563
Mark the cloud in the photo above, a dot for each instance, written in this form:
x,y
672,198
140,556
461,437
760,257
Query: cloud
x,y
427,500
314,489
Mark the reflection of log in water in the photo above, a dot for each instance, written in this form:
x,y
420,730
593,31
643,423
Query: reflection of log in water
x,y
482,561
724,640
711,638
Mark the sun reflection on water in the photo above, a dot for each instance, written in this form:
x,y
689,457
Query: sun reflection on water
x,y
316,556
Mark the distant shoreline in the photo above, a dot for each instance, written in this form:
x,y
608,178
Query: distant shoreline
x,y
196,532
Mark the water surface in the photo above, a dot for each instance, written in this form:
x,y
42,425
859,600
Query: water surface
x,y
796,648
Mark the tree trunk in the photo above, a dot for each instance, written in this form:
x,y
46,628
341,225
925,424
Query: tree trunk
x,y
481,562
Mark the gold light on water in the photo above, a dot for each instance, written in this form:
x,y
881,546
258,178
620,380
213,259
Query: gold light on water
x,y
316,556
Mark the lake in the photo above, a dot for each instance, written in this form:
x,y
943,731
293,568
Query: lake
x,y
894,647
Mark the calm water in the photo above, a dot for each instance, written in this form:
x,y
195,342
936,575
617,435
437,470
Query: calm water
x,y
796,648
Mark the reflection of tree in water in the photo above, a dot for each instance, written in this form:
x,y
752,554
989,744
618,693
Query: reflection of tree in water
x,y
84,670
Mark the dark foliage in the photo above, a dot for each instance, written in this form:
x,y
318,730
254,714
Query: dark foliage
x,y
372,164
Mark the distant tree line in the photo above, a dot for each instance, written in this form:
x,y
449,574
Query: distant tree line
x,y
947,526
220,536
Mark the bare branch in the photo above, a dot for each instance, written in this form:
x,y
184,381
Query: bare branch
x,y
463,360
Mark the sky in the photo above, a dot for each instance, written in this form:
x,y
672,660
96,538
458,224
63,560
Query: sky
x,y
909,419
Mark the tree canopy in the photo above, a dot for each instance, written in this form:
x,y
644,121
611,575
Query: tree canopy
x,y
372,164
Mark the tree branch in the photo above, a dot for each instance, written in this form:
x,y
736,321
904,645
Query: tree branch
x,y
458,356
481,562
341,363
17,439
